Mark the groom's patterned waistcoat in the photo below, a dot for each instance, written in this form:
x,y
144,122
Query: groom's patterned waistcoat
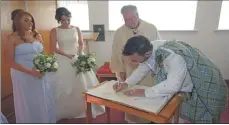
x,y
210,92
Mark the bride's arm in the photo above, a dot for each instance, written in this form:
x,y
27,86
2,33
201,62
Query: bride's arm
x,y
80,41
54,43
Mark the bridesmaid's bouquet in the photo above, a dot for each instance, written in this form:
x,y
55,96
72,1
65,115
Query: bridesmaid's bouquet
x,y
45,63
83,62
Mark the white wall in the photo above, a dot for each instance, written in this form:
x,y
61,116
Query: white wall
x,y
206,37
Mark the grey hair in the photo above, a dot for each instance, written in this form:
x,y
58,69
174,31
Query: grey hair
x,y
129,7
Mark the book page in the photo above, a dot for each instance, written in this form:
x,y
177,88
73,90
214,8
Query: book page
x,y
153,105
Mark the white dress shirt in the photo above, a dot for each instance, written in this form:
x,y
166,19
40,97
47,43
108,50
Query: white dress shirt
x,y
178,78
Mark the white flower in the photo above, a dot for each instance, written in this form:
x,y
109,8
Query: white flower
x,y
92,59
83,62
49,59
74,59
48,65
55,65
41,67
82,53
37,61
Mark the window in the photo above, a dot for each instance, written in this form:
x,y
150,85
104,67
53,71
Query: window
x,y
165,15
79,10
224,16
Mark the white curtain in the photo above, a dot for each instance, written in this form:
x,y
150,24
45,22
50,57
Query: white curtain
x,y
79,10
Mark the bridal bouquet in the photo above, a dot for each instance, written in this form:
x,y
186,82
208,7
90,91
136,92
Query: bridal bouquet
x,y
45,63
83,63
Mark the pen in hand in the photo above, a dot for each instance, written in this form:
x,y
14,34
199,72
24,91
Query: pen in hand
x,y
118,84
119,79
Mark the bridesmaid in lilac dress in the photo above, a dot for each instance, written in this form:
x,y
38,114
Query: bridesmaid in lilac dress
x,y
3,119
33,94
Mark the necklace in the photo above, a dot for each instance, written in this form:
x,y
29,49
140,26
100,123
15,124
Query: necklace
x,y
135,30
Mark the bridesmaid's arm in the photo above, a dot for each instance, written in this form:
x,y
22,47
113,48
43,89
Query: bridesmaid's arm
x,y
10,49
80,41
54,43
40,39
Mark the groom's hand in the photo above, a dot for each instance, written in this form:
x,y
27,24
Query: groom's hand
x,y
119,86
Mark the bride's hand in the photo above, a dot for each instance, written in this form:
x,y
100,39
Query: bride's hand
x,y
81,53
70,56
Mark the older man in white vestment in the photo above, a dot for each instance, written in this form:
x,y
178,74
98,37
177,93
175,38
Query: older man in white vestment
x,y
179,67
133,26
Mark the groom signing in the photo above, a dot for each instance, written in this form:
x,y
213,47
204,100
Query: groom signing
x,y
181,68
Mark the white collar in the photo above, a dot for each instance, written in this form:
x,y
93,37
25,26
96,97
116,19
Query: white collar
x,y
150,62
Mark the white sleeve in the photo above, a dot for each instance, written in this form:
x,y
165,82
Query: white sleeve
x,y
138,74
177,70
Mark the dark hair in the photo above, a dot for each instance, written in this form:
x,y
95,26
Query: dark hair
x,y
137,44
15,12
13,15
129,7
62,11
17,23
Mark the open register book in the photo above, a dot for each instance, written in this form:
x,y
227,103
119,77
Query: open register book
x,y
152,105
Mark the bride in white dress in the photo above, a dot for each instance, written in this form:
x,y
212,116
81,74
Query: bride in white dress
x,y
66,41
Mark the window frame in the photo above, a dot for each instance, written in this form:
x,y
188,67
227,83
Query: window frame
x,y
58,4
164,30
218,27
